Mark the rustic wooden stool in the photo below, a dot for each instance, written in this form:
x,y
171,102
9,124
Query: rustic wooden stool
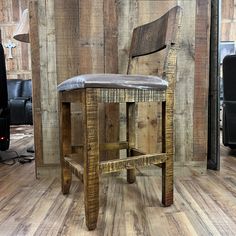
x,y
91,89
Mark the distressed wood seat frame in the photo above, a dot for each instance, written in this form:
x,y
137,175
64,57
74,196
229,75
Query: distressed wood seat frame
x,y
147,39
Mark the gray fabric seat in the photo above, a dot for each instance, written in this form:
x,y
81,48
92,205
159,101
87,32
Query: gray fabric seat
x,y
113,81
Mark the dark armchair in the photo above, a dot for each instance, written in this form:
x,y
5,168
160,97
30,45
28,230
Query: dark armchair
x,y
20,101
229,101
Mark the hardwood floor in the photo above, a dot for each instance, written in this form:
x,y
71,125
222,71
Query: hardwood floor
x,y
204,204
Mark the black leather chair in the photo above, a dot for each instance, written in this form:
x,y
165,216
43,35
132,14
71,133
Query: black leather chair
x,y
4,111
20,101
229,101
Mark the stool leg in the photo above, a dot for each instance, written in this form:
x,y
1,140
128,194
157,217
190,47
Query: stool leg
x,y
131,176
65,146
167,147
131,118
167,183
66,177
91,158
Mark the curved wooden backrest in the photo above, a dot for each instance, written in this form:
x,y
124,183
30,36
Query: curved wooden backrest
x,y
155,36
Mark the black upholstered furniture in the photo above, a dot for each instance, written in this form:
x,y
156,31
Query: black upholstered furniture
x,y
229,101
4,111
20,101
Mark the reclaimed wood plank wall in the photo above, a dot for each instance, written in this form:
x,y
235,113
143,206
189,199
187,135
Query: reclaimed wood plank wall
x,y
228,20
10,13
83,36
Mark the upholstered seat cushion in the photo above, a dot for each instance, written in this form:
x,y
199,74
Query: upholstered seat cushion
x,y
113,81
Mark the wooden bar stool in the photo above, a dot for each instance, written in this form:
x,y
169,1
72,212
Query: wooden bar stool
x,y
92,89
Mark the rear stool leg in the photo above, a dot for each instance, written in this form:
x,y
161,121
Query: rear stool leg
x,y
66,180
65,146
131,119
131,176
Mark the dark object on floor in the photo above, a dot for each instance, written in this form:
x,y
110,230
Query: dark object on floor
x,y
229,102
4,111
20,101
10,157
30,149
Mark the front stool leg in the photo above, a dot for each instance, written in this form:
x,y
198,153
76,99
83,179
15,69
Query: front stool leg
x,y
167,183
91,190
91,158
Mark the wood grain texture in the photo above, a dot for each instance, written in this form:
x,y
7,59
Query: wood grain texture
x,y
10,14
201,82
48,76
228,20
184,92
204,204
36,82
91,158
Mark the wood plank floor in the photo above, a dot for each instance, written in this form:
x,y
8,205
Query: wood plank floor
x,y
204,204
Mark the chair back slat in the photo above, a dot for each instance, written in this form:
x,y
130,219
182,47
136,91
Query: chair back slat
x,y
155,36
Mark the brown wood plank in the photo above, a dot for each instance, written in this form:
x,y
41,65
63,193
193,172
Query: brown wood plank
x,y
111,113
48,78
228,20
201,81
36,82
15,10
184,92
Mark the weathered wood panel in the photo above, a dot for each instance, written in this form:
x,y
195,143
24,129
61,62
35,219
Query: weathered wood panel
x,y
228,20
201,81
20,65
36,83
48,75
67,47
111,118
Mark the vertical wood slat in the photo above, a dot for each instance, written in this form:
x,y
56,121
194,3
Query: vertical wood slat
x,y
111,113
67,48
36,82
48,76
200,113
184,93
91,42
67,39
15,10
